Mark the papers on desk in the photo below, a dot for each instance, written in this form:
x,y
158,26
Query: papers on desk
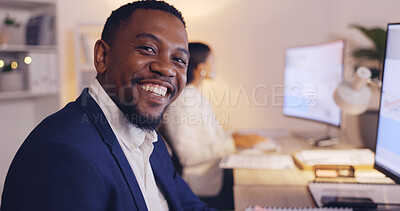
x,y
358,158
263,161
372,176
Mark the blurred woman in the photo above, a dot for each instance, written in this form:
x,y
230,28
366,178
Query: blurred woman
x,y
199,142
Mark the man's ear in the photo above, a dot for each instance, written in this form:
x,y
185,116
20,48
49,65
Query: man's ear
x,y
101,50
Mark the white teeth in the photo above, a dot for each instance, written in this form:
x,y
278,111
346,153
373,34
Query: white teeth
x,y
155,90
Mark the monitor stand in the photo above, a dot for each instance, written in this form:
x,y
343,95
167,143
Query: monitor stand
x,y
319,138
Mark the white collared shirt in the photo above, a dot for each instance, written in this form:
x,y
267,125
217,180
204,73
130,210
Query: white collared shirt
x,y
136,144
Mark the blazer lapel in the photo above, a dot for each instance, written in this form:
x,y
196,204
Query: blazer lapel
x,y
165,184
86,102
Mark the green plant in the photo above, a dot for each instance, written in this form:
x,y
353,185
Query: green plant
x,y
378,38
9,21
7,68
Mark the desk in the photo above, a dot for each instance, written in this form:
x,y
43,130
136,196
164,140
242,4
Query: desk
x,y
281,188
274,187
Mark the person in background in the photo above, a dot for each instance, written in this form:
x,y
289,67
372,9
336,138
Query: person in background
x,y
197,139
101,152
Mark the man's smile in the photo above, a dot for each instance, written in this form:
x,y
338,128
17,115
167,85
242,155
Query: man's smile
x,y
155,89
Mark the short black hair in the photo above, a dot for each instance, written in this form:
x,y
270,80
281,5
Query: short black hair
x,y
124,14
199,53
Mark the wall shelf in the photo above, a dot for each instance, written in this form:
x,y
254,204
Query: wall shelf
x,y
28,48
26,4
23,94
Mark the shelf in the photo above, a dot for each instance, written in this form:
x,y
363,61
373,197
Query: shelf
x,y
26,4
27,48
23,94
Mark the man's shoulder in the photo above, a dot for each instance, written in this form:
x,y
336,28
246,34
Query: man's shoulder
x,y
71,114
75,118
66,126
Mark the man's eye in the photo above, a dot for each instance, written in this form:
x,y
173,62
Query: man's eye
x,y
148,49
180,60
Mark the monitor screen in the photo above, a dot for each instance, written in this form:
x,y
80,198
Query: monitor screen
x,y
311,76
387,154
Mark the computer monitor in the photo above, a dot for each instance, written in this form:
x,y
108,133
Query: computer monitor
x,y
387,151
311,75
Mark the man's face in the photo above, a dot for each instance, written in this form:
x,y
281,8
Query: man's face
x,y
146,66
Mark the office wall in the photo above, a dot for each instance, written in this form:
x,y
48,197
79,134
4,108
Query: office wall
x,y
248,38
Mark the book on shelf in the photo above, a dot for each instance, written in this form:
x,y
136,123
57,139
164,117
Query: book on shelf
x,y
40,30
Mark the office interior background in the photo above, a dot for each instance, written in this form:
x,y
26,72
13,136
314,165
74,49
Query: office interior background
x,y
248,38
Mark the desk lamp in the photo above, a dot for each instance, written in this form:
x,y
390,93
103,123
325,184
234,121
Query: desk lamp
x,y
353,95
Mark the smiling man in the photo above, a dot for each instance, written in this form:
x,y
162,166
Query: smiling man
x,y
143,70
101,152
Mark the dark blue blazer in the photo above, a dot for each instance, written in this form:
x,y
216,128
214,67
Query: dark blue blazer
x,y
72,161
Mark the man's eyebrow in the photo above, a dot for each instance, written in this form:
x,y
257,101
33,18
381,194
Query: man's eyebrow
x,y
148,35
184,51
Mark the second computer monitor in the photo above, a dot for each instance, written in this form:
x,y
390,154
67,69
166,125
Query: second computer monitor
x,y
311,76
387,154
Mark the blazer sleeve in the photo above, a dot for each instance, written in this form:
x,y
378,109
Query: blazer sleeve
x,y
54,177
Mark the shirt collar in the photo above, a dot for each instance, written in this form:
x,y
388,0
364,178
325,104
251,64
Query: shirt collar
x,y
129,134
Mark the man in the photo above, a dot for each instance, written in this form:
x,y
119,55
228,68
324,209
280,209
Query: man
x,y
101,152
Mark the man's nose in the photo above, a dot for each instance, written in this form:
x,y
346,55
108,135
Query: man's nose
x,y
164,67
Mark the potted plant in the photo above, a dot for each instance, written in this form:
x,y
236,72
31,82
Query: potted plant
x,y
371,57
9,23
11,79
